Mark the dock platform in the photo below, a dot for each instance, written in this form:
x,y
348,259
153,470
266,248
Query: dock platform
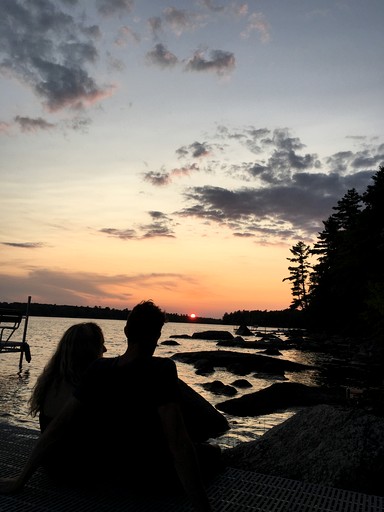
x,y
232,491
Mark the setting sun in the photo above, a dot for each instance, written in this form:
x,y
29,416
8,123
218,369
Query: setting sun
x,y
192,316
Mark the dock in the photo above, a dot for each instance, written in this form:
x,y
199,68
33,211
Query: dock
x,y
233,490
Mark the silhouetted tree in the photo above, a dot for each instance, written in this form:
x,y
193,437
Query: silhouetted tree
x,y
300,275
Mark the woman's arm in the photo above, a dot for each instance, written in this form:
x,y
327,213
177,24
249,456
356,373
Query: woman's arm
x,y
184,455
51,436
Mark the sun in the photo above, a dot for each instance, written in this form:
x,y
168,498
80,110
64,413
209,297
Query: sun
x,y
192,316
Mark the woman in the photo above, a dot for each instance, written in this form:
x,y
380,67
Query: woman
x,y
79,346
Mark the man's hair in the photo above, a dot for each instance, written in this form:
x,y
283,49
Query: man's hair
x,y
145,319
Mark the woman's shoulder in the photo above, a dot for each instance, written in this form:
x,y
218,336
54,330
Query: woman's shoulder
x,y
102,364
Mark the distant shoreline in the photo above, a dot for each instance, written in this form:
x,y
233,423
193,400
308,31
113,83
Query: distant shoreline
x,y
95,312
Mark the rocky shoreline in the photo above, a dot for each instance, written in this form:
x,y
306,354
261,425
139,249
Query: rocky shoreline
x,y
335,438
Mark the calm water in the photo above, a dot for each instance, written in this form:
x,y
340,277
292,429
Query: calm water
x,y
44,333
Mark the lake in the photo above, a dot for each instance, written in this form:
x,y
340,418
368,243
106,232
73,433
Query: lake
x,y
44,334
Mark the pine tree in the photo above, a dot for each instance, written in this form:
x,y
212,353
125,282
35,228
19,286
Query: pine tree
x,y
299,277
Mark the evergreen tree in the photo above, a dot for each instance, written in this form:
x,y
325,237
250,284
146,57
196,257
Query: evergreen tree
x,y
299,277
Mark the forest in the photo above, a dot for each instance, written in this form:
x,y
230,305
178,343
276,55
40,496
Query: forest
x,y
337,284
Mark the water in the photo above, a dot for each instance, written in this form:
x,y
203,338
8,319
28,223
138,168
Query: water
x,y
44,333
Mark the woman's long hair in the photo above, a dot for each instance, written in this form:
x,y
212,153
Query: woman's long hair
x,y
79,346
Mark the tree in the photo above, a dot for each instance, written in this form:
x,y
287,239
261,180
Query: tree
x,y
300,275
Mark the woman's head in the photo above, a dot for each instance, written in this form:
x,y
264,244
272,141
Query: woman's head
x,y
79,346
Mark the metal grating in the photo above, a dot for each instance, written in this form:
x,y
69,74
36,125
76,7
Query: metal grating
x,y
233,491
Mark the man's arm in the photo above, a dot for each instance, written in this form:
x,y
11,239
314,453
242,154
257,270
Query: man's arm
x,y
51,436
184,455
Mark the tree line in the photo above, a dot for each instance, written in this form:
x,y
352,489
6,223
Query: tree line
x,y
337,284
91,312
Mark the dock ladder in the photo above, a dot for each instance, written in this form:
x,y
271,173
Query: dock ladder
x,y
10,320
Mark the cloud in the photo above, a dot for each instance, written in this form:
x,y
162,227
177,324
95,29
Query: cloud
x,y
28,124
257,22
196,149
158,178
180,20
125,35
111,7
59,286
163,178
220,62
24,245
160,56
281,176
161,226
48,50
5,127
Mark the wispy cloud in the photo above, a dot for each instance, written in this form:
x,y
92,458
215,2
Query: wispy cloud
x,y
24,245
161,226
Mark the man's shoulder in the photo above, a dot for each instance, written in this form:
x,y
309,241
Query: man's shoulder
x,y
164,363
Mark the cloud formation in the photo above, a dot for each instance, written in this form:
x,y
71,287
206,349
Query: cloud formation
x,y
60,286
289,192
161,226
46,48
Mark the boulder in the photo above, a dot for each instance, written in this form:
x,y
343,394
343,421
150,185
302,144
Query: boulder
x,y
241,383
329,445
219,388
201,418
278,396
243,330
171,343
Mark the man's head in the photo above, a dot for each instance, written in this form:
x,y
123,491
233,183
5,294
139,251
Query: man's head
x,y
144,324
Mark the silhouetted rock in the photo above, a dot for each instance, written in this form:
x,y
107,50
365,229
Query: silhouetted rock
x,y
219,388
171,343
241,383
213,335
328,445
271,351
203,367
278,396
244,331
241,363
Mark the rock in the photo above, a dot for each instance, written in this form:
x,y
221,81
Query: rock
x,y
244,331
219,388
213,335
241,383
203,367
241,363
271,351
328,445
202,419
278,396
171,343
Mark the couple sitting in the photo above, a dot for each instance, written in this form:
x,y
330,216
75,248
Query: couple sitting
x,y
122,421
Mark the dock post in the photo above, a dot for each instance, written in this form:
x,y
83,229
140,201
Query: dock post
x,y
24,334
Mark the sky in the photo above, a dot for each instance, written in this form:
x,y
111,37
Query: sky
x,y
176,151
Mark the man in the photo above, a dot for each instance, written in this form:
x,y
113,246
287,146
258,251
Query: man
x,y
131,423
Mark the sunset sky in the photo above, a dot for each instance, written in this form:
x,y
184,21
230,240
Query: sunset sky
x,y
175,151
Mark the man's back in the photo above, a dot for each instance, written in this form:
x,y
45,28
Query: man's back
x,y
120,403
